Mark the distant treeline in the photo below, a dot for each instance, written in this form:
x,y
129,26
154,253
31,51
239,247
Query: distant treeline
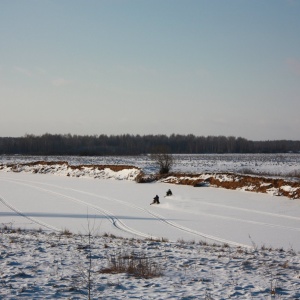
x,y
55,144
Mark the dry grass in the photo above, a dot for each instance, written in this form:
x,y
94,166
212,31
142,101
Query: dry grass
x,y
66,232
138,265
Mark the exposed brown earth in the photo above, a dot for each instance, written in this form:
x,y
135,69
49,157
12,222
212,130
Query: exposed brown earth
x,y
270,185
275,186
47,164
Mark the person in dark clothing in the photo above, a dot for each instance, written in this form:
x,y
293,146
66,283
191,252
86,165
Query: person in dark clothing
x,y
155,200
169,193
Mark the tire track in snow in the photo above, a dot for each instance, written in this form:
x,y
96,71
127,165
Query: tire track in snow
x,y
251,210
173,224
250,222
202,202
192,231
113,219
197,233
170,223
18,212
119,224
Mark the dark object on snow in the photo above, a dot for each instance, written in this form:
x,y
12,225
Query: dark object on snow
x,y
202,183
169,193
155,200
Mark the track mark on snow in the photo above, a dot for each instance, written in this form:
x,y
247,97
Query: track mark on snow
x,y
18,212
251,210
113,219
173,224
192,231
165,221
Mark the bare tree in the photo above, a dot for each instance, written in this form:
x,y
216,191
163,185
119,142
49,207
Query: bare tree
x,y
163,159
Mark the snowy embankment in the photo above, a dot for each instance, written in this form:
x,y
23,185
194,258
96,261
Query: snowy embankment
x,y
272,186
269,185
121,172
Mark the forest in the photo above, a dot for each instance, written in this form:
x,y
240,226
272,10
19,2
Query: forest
x,y
99,145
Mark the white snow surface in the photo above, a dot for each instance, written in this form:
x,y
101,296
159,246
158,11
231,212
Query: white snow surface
x,y
209,243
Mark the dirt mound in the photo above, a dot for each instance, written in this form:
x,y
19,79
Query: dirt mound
x,y
274,186
47,164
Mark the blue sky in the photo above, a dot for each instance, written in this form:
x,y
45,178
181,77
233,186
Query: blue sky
x,y
201,67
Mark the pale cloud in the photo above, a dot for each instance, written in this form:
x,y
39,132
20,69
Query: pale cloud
x,y
61,82
40,71
293,65
23,71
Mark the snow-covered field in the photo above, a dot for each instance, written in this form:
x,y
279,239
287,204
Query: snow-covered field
x,y
284,163
217,243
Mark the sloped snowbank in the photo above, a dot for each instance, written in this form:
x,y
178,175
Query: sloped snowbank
x,y
120,172
272,186
259,184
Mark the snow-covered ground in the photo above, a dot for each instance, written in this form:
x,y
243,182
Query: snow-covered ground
x,y
47,266
216,242
121,207
283,163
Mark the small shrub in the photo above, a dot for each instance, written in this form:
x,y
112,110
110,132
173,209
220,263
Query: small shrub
x,y
203,243
66,232
285,265
143,178
137,265
181,241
